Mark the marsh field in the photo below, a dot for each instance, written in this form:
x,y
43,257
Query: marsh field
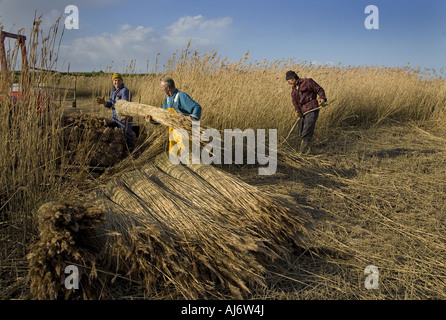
x,y
375,185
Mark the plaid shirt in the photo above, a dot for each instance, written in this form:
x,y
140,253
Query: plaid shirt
x,y
305,96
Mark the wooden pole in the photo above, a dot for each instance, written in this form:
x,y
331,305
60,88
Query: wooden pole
x,y
75,87
3,62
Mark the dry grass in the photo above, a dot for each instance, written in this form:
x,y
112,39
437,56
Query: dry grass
x,y
255,95
30,144
376,189
378,199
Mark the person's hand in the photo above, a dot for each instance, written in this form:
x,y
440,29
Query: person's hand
x,y
100,101
150,119
298,114
321,102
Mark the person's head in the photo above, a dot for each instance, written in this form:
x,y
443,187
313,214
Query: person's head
x,y
117,80
168,86
292,77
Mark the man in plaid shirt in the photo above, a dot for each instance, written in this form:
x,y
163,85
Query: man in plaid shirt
x,y
304,94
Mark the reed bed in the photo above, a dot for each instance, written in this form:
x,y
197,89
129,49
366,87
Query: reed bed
x,y
254,94
31,141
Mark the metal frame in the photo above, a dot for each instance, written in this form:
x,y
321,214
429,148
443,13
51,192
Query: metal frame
x,y
25,68
21,39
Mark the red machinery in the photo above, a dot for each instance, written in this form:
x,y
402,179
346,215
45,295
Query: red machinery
x,y
15,93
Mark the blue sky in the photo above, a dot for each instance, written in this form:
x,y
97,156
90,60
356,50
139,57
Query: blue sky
x,y
112,33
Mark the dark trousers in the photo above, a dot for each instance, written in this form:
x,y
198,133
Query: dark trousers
x,y
307,125
128,132
126,127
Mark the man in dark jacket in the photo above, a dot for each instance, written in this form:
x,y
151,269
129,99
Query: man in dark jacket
x,y
120,91
304,95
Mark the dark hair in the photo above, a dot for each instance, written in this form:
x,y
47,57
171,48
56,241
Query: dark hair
x,y
291,75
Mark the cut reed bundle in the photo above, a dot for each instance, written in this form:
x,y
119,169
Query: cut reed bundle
x,y
164,117
91,140
65,230
213,251
188,230
180,234
278,217
159,115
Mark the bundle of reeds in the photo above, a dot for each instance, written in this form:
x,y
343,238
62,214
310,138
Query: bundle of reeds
x,y
273,212
92,140
65,231
151,142
210,251
278,217
162,116
177,231
190,231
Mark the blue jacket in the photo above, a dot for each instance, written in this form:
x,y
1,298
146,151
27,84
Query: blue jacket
x,y
182,103
117,94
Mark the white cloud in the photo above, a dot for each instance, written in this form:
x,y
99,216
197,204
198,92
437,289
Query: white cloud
x,y
87,51
17,14
114,46
197,28
142,43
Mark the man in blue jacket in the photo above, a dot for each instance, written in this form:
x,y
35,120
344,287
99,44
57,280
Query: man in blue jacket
x,y
178,102
119,92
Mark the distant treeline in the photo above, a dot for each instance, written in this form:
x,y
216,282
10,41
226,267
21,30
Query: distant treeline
x,y
102,73
17,74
